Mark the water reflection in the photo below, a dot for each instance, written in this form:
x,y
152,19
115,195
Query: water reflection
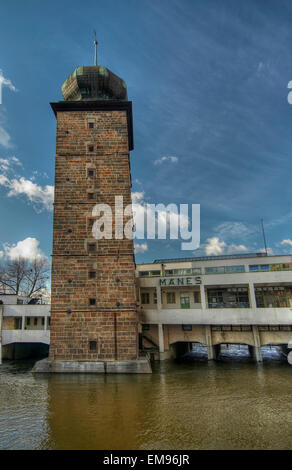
x,y
197,405
23,407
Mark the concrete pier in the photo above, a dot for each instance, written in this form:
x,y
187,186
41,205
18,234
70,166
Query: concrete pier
x,y
140,366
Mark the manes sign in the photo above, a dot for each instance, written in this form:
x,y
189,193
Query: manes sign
x,y
180,281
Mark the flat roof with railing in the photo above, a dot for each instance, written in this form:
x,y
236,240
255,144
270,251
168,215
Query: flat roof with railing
x,y
213,257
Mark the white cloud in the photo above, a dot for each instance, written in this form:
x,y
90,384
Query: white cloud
x,y
270,251
4,181
227,230
159,161
234,249
6,82
41,196
216,247
1,254
137,197
5,138
7,164
286,242
28,249
141,248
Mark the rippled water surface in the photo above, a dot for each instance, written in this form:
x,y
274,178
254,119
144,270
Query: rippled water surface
x,y
222,405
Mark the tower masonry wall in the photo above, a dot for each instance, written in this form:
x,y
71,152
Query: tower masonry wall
x,y
108,330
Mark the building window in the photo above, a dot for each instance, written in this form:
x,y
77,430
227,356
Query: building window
x,y
17,323
197,297
49,321
35,321
170,297
91,125
215,270
90,173
91,247
275,267
234,269
185,301
145,298
285,328
149,273
287,267
43,321
224,269
182,271
90,196
187,327
90,148
259,267
92,274
19,302
28,321
92,345
90,222
273,297
85,91
92,301
196,271
155,297
232,297
145,327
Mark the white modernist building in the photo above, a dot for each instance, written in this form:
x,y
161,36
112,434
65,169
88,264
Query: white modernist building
x,y
244,299
215,300
23,321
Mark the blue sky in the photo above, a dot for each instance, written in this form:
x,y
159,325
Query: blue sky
x,y
208,81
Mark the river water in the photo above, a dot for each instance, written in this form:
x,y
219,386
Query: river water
x,y
192,405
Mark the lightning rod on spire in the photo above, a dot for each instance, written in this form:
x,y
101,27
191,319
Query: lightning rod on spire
x,y
95,48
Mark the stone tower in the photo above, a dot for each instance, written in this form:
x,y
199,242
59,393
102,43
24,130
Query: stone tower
x,y
94,320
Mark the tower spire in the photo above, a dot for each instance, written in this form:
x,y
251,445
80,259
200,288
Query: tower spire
x,y
95,49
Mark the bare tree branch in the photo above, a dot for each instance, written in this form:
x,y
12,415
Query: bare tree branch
x,y
23,276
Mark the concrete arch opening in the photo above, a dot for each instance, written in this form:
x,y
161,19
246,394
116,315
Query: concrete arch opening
x,y
190,351
197,351
275,351
234,351
18,351
219,342
244,351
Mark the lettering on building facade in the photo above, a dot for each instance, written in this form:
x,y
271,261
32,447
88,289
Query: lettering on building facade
x,y
180,281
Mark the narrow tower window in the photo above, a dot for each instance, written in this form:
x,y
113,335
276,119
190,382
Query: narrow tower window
x,y
92,345
91,247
